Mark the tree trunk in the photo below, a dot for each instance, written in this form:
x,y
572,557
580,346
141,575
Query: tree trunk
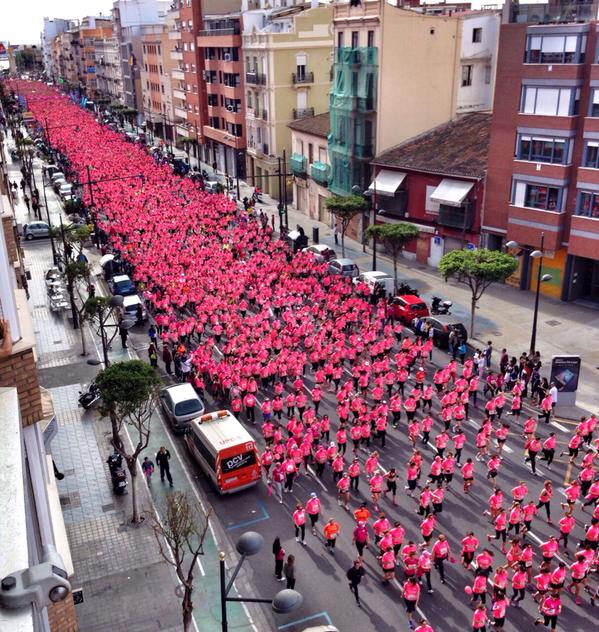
x,y
472,313
74,311
116,439
343,243
395,271
82,332
132,467
187,607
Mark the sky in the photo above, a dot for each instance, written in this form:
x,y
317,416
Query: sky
x,y
22,21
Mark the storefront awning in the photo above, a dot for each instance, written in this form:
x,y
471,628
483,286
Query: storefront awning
x,y
451,192
387,182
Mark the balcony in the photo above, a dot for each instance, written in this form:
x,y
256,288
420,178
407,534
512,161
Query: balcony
x,y
219,38
255,78
456,216
179,94
233,30
177,74
181,113
177,54
552,13
300,113
174,35
298,165
302,78
319,171
223,136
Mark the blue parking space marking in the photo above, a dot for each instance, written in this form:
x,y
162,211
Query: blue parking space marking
x,y
246,523
324,615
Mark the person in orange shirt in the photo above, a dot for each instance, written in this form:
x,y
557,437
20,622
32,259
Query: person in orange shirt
x,y
331,531
362,513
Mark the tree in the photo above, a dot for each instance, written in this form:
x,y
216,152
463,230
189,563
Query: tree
x,y
394,237
345,208
183,527
77,235
477,269
74,271
128,391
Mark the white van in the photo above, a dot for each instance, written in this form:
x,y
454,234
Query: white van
x,y
372,279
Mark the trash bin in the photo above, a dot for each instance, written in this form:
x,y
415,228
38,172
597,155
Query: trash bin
x,y
315,235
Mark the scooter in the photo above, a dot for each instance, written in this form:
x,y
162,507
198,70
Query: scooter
x,y
118,475
88,398
439,306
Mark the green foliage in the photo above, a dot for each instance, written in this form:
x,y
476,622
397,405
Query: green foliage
x,y
95,306
126,387
73,206
346,206
76,270
393,236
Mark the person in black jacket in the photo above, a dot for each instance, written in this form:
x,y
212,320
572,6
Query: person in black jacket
x,y
162,460
354,575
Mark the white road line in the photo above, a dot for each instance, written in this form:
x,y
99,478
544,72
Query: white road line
x,y
418,610
557,425
539,541
317,479
508,449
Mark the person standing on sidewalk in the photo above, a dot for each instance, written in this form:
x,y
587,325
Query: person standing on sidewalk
x,y
148,469
162,460
354,576
153,356
279,552
167,358
289,571
123,333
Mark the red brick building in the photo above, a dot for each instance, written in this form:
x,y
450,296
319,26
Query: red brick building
x,y
543,175
436,181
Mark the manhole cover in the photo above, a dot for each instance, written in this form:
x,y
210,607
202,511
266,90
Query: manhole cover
x,y
71,501
65,501
552,323
108,507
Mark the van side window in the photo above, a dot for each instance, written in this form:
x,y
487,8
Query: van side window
x,y
203,450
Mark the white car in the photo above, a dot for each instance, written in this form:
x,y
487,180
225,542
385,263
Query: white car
x,y
344,267
130,304
181,404
375,278
321,252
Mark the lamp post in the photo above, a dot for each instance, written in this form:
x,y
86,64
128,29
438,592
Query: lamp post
x,y
283,602
541,278
368,194
52,244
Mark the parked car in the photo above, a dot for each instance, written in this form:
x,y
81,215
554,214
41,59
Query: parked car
x,y
130,304
344,267
66,191
122,285
36,229
407,307
375,279
212,186
57,183
321,252
181,404
443,325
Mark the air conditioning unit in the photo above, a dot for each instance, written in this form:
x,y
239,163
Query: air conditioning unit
x,y
230,108
204,75
227,57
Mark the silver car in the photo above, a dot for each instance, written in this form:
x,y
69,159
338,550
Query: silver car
x,y
181,404
344,267
36,229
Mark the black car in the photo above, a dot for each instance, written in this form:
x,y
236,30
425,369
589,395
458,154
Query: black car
x,y
443,325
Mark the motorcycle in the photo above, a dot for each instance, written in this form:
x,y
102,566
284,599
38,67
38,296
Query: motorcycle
x,y
118,476
407,289
88,398
439,306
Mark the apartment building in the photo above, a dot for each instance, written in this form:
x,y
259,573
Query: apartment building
x,y
223,134
109,81
52,27
156,81
32,517
287,55
399,72
91,29
543,188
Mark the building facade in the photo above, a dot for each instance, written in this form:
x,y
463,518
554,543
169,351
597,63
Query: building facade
x,y
108,68
52,27
287,53
92,29
543,189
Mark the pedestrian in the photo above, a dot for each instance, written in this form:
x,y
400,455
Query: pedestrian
x,y
167,357
336,234
299,522
27,202
411,595
162,460
331,531
279,552
479,618
313,509
488,352
123,333
354,576
360,538
550,608
289,572
148,469
153,356
276,481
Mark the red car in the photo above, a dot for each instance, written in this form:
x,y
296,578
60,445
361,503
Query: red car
x,y
407,307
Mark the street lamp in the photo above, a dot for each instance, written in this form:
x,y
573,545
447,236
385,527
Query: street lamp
x,y
283,602
541,278
368,194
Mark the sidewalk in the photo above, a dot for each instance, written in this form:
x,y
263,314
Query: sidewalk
x,y
126,584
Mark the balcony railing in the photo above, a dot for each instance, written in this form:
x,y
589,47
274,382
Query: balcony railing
x,y
554,13
264,115
255,78
302,77
234,30
300,113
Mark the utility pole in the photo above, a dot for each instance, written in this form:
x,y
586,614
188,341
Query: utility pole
x,y
280,204
285,188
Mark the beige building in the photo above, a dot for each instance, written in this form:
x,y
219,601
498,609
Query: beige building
x,y
287,54
108,68
310,165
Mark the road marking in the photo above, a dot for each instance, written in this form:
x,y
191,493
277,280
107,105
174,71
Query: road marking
x,y
418,610
539,541
559,426
568,473
318,615
317,479
246,523
508,449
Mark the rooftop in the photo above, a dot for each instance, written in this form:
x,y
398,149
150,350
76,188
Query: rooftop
x,y
317,125
458,148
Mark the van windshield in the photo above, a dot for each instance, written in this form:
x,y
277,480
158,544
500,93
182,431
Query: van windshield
x,y
188,407
232,463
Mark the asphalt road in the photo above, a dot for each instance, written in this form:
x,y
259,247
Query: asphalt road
x,y
321,576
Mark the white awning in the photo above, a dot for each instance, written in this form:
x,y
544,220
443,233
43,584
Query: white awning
x,y
451,192
387,182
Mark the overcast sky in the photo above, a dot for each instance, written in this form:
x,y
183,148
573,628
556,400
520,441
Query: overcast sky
x,y
22,21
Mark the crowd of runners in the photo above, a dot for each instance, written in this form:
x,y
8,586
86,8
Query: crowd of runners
x,y
272,337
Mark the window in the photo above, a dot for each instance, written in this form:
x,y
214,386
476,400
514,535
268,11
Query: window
x,y
370,43
310,153
555,49
300,67
587,204
488,71
542,149
549,101
299,145
477,35
322,155
340,39
541,196
591,154
466,75
355,39
594,105
249,100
